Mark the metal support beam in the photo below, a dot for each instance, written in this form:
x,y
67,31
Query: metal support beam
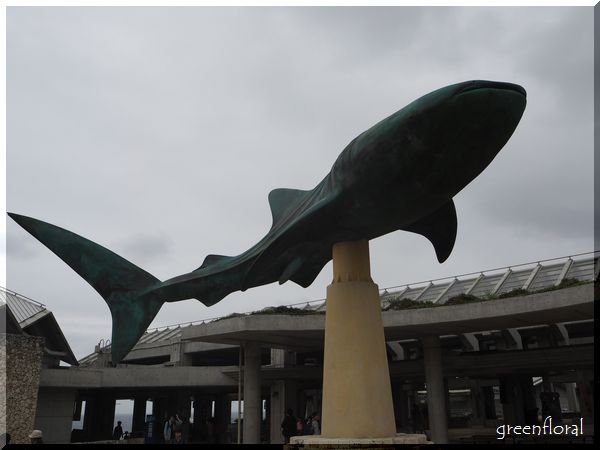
x,y
423,291
532,276
477,280
501,282
563,272
437,299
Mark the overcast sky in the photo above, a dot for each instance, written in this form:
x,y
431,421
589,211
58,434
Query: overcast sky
x,y
159,132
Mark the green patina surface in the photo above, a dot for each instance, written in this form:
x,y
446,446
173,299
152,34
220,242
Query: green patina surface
x,y
400,174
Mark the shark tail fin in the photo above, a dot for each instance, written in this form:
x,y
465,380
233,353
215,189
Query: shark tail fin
x,y
125,287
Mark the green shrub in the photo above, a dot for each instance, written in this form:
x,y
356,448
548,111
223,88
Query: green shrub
x,y
565,283
285,310
464,298
407,303
515,293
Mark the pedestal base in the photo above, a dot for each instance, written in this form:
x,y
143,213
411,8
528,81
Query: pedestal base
x,y
357,395
313,441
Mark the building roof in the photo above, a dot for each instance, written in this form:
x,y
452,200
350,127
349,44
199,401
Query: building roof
x,y
35,319
23,308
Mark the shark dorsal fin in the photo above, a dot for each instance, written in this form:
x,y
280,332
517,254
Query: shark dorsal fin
x,y
440,228
211,260
280,201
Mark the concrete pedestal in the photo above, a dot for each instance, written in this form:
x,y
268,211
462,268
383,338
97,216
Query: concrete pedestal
x,y
357,397
297,442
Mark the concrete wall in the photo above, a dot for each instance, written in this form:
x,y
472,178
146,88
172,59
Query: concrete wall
x,y
54,414
23,356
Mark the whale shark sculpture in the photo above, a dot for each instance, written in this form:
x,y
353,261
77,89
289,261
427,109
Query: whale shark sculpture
x,y
400,174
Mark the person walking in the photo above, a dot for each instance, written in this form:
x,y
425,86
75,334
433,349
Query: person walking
x,y
288,426
118,431
168,430
316,423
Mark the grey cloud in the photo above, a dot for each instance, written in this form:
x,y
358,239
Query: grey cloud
x,y
144,247
21,246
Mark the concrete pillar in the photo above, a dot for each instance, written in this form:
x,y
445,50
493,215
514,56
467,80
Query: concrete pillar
x,y
173,403
88,420
357,396
586,398
529,400
405,406
301,403
397,401
401,406
203,417
448,404
222,418
436,395
184,403
511,396
489,402
138,423
54,414
477,404
159,411
252,397
277,411
283,397
99,417
572,397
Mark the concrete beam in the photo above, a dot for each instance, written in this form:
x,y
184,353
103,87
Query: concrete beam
x,y
165,349
306,332
139,377
397,349
469,342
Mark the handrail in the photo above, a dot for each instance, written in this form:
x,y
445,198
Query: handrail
x,y
22,296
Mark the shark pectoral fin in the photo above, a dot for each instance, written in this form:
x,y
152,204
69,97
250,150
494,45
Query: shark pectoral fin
x,y
291,269
440,228
280,201
122,284
311,269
